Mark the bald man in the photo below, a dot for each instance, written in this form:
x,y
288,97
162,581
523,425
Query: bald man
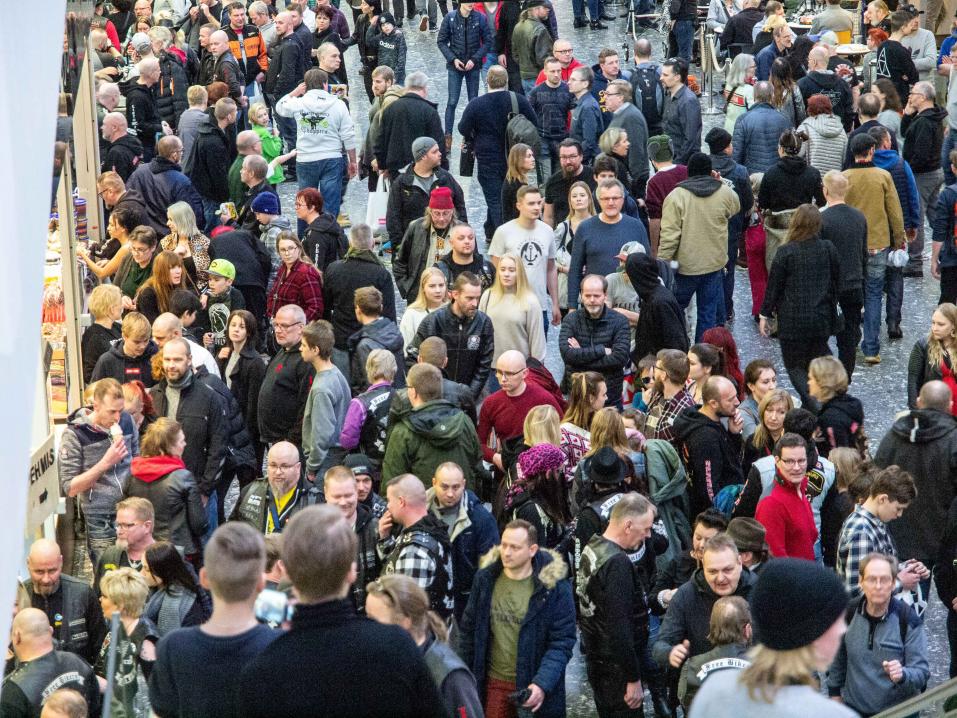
x,y
247,143
141,112
162,183
41,669
226,67
505,410
923,442
268,504
70,606
713,452
421,549
168,326
121,151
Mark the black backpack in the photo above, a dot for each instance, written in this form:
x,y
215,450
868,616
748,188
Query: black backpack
x,y
521,129
647,92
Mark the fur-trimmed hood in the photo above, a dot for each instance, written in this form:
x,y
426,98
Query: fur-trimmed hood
x,y
549,566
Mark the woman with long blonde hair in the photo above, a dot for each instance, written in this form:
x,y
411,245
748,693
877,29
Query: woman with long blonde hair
x,y
933,356
586,396
514,310
521,162
581,206
169,274
433,294
607,431
770,427
187,241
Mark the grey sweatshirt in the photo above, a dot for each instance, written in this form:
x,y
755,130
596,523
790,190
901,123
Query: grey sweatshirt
x,y
325,414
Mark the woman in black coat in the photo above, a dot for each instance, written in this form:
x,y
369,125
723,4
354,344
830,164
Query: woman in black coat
x,y
790,181
661,322
802,293
933,356
243,370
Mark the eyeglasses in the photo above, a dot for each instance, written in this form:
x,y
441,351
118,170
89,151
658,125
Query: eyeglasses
x,y
282,467
647,379
563,52
612,94
300,203
793,462
134,249
125,527
284,327
288,250
507,374
878,580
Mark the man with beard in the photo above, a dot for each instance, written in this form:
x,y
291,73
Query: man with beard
x,y
134,534
669,397
267,504
69,603
570,159
713,453
362,470
596,338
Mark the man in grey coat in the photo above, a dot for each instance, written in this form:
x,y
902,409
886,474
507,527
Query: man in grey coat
x,y
625,115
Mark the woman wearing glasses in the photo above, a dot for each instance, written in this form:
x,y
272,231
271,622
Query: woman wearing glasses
x,y
786,512
297,281
137,266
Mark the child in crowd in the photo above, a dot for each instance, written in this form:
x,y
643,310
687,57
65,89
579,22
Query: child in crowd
x,y
389,46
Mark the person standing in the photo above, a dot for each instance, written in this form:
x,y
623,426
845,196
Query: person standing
x,y
319,548
893,59
208,163
142,115
327,403
923,131
267,504
624,114
285,73
410,116
785,513
531,42
249,48
586,122
756,133
943,260
553,101
681,113
518,630
613,608
324,129
464,39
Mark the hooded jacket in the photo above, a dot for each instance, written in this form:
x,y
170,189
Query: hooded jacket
x,y
712,455
252,261
737,177
180,516
122,156
340,281
609,330
407,203
82,445
788,183
904,182
470,343
756,135
826,142
162,183
430,435
239,450
208,163
923,442
840,419
923,138
324,125
379,334
324,241
473,534
545,639
834,88
142,117
694,225
689,615
116,365
171,89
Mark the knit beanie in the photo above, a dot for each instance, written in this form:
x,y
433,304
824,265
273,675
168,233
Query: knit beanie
x,y
541,459
717,140
420,146
441,198
794,603
699,164
266,203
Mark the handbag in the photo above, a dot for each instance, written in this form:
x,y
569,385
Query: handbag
x,y
378,206
466,160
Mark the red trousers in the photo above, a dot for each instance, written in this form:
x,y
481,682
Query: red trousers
x,y
497,704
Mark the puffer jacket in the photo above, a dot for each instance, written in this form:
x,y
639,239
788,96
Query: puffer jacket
x,y
379,334
170,91
180,516
464,38
924,443
545,638
826,142
756,135
470,342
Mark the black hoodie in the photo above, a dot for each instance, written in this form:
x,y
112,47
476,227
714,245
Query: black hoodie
x,y
142,116
379,334
923,137
122,156
701,185
324,241
117,365
712,455
840,420
923,442
661,322
834,88
788,183
208,162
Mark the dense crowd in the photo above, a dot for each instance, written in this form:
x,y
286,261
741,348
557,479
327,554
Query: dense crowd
x,y
428,521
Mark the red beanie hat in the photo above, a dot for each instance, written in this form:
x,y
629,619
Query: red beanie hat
x,y
441,198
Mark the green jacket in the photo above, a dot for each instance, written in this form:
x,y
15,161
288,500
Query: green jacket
x,y
237,190
272,148
434,433
531,44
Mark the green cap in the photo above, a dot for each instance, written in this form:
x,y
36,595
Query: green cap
x,y
223,268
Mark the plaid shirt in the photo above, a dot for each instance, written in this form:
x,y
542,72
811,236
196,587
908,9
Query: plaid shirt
x,y
301,286
861,534
662,414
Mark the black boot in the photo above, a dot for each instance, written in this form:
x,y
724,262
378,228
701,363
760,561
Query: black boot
x,y
894,331
659,696
581,22
598,25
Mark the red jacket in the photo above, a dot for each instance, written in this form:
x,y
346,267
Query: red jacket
x,y
301,286
566,72
786,515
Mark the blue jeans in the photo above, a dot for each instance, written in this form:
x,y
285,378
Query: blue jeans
x,y
684,36
212,515
490,176
287,130
894,287
528,86
950,143
100,534
210,214
873,299
326,175
455,91
709,292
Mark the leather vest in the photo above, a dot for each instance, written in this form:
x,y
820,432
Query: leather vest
x,y
372,436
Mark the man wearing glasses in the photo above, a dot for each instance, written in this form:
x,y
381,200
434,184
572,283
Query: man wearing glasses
x,y
786,512
268,504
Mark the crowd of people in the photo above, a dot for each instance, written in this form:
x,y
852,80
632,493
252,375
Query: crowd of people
x,y
426,516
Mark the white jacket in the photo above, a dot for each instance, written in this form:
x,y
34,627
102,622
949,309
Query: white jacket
x,y
324,126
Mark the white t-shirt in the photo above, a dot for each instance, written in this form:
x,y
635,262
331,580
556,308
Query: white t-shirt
x,y
202,357
535,246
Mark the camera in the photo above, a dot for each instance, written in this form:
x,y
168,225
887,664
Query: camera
x,y
273,607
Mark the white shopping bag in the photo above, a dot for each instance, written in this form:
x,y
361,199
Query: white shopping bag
x,y
377,207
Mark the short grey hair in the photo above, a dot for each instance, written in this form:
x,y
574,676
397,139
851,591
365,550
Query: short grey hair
x,y
162,34
763,91
294,311
257,166
246,140
360,237
148,64
927,90
417,80
258,7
